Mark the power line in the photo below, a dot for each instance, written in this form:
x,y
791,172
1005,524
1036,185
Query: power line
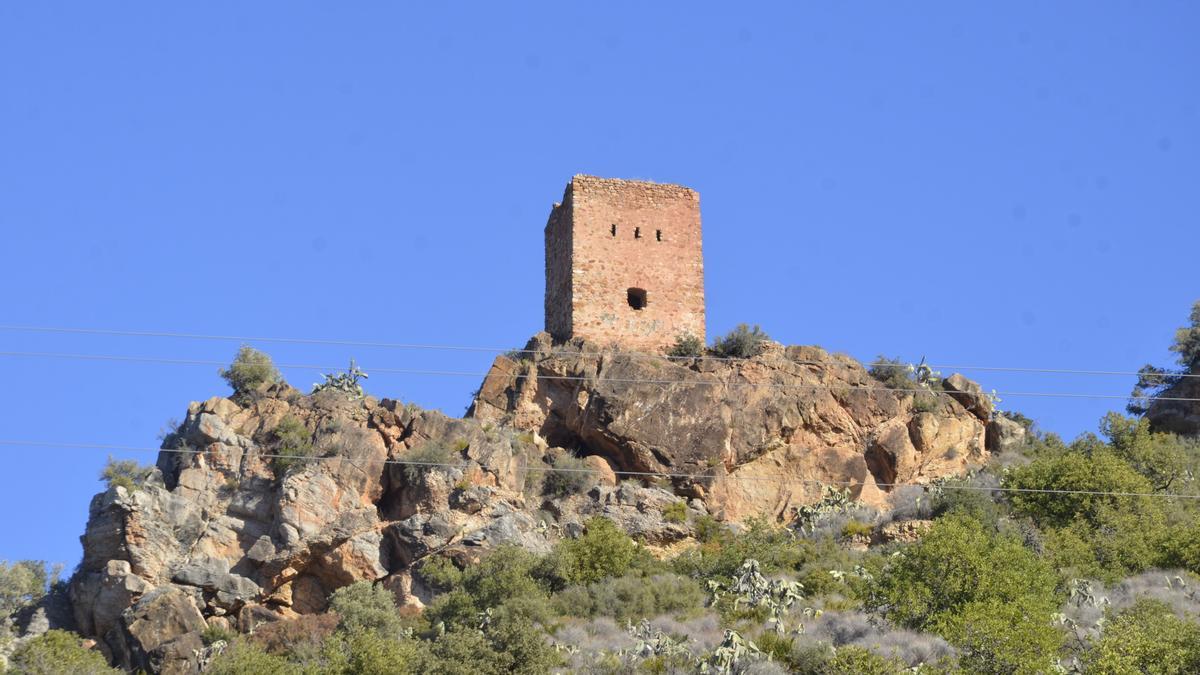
x,y
641,474
581,378
501,350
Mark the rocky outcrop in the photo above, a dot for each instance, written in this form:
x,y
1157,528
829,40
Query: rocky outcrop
x,y
746,437
224,534
1177,408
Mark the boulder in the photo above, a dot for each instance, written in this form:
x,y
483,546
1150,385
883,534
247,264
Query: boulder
x,y
1004,434
970,395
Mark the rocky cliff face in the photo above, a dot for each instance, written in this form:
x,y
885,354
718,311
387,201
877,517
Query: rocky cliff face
x,y
223,535
752,437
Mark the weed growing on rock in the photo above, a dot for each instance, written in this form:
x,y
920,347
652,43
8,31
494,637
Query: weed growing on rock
x,y
126,473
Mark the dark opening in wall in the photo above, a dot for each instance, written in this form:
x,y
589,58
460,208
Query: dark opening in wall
x,y
636,298
637,233
614,230
658,235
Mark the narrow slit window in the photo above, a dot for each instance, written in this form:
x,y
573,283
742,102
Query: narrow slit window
x,y
637,298
637,233
613,230
658,235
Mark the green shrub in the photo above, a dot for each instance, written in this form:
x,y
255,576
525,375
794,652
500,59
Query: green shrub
x,y
57,652
851,660
1187,341
297,638
250,370
215,634
503,582
742,342
1163,458
631,597
1146,638
291,442
126,473
923,403
428,458
686,345
243,656
360,651
857,528
722,553
362,606
983,591
1088,529
22,583
439,573
892,373
570,475
603,551
675,512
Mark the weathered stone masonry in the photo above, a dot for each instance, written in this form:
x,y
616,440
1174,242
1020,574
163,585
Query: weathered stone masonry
x,y
624,263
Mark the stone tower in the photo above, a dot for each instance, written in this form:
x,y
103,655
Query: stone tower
x,y
624,263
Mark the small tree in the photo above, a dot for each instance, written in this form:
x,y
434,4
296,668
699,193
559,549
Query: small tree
x,y
687,345
363,606
22,583
892,373
603,551
126,473
250,370
742,342
291,443
1187,341
1147,638
58,652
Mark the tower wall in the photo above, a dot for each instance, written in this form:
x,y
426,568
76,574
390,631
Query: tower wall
x,y
628,256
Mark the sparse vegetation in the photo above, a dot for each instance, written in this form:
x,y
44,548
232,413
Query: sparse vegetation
x,y
742,342
675,512
1187,341
125,473
892,373
686,345
22,583
250,370
570,475
428,458
57,652
923,403
292,443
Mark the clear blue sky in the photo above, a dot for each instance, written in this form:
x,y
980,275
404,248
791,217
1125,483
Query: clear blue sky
x,y
980,183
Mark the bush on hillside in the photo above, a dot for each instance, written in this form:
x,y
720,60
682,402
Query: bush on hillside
x,y
250,370
602,551
22,583
126,473
981,590
428,458
362,606
892,373
570,475
1187,342
742,342
1147,638
292,443
686,345
57,652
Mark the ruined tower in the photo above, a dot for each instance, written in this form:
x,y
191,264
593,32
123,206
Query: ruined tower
x,y
624,264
